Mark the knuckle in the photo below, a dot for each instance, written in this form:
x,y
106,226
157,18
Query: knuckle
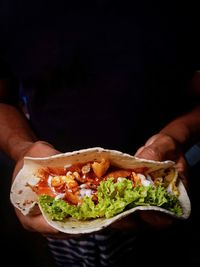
x,y
152,152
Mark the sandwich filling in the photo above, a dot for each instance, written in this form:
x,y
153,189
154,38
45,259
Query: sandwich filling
x,y
98,189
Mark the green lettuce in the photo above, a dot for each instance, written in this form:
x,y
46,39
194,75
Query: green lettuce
x,y
113,198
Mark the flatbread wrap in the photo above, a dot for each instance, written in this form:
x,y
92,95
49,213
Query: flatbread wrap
x,y
87,190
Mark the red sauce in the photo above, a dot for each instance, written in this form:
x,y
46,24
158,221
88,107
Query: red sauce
x,y
89,179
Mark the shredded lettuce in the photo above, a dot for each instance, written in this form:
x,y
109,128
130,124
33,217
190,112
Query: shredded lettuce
x,y
113,198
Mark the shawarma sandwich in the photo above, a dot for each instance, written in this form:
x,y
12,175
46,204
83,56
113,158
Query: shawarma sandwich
x,y
87,190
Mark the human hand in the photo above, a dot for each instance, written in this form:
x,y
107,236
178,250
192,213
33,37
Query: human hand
x,y
35,221
162,147
159,147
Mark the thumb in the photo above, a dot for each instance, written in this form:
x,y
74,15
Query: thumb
x,y
150,152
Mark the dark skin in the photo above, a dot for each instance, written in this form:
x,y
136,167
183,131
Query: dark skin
x,y
17,140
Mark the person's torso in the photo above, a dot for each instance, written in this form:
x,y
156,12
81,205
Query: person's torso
x,y
99,74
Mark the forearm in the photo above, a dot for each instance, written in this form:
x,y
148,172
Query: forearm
x,y
15,133
185,129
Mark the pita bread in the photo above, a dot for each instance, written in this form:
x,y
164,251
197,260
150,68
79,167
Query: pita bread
x,y
23,198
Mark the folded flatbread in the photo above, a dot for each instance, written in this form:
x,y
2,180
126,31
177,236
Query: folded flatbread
x,y
87,190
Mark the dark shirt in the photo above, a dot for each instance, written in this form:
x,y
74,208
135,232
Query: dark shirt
x,y
99,73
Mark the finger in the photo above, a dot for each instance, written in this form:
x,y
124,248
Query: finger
x,y
182,168
36,223
150,152
159,147
139,151
152,139
42,149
